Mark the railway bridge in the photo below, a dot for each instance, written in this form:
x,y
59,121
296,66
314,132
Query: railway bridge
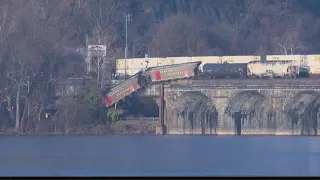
x,y
241,107
229,106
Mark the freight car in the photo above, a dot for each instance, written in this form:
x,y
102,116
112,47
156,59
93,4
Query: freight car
x,y
134,65
173,72
304,71
125,88
149,76
224,70
272,69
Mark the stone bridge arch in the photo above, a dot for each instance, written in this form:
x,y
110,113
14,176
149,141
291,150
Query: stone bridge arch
x,y
302,112
248,111
195,114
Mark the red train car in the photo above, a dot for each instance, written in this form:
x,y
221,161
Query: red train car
x,y
173,72
151,75
124,89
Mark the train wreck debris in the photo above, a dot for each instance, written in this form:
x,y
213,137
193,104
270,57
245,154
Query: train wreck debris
x,y
151,75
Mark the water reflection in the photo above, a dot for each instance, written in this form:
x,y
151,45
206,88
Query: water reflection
x,y
159,155
314,158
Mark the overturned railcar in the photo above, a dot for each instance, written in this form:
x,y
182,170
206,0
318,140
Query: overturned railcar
x,y
125,88
224,70
149,76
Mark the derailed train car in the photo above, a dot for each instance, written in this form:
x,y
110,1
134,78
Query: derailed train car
x,y
173,72
272,69
224,70
149,76
125,88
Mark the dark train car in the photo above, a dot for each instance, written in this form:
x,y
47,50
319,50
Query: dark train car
x,y
304,71
173,72
124,89
225,70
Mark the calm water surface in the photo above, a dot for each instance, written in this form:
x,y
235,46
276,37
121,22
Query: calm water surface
x,y
159,155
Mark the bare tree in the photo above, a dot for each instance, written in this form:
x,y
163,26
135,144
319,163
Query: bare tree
x,y
104,36
289,44
8,23
290,41
8,26
54,119
39,111
18,75
5,104
69,119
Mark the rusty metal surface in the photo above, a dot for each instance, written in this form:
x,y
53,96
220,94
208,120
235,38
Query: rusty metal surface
x,y
250,84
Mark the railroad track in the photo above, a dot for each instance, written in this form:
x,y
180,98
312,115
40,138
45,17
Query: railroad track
x,y
249,84
252,81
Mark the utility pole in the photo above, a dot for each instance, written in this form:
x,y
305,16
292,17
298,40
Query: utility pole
x,y
128,18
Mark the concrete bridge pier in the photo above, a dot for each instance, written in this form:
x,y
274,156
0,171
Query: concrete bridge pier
x,y
161,128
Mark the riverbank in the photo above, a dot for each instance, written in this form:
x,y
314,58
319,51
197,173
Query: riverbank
x,y
117,128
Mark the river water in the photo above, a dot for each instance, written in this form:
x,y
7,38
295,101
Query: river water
x,y
159,155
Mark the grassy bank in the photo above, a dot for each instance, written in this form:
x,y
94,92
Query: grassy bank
x,y
117,128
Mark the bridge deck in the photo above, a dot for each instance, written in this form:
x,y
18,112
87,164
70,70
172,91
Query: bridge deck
x,y
248,84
